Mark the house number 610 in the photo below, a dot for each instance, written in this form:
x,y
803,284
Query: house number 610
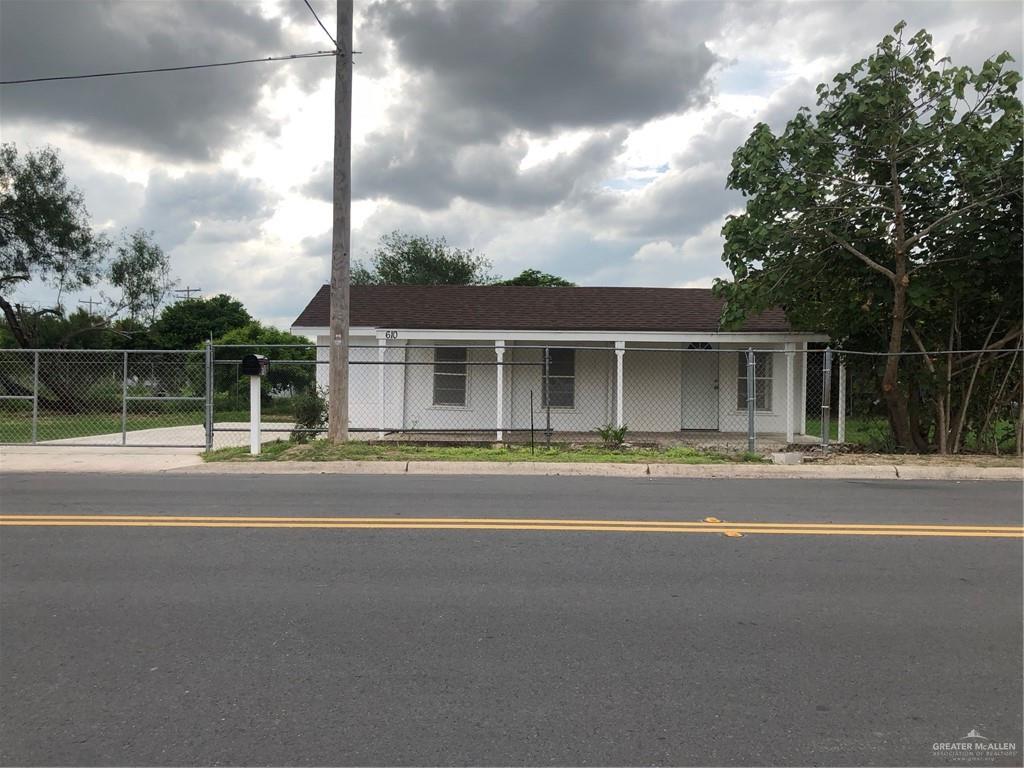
x,y
390,334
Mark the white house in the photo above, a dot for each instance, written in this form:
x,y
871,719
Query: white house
x,y
457,358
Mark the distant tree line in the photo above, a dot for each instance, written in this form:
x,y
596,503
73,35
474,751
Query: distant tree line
x,y
406,259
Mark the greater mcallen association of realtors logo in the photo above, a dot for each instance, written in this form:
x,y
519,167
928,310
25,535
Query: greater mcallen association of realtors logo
x,y
974,746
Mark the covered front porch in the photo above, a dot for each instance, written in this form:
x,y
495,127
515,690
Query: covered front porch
x,y
666,389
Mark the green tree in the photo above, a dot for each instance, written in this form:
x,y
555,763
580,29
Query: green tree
x,y
258,340
142,272
537,278
80,329
888,217
187,324
403,259
45,235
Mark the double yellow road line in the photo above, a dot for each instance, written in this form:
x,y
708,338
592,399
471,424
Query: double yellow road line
x,y
706,526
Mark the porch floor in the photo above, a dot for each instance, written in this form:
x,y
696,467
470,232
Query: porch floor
x,y
710,440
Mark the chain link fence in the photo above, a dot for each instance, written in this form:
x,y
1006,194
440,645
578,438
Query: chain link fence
x,y
103,397
725,397
287,393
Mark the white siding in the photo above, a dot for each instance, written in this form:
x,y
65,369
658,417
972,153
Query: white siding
x,y
481,391
593,407
653,387
362,380
733,419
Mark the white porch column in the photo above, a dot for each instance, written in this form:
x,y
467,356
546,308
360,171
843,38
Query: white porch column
x,y
790,390
803,391
499,351
620,351
381,368
841,425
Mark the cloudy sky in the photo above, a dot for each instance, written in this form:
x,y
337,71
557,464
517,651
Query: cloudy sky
x,y
586,138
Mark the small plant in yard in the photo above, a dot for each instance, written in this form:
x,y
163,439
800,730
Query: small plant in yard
x,y
613,436
310,411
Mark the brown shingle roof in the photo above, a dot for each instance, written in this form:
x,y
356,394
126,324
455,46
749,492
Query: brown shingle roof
x,y
521,308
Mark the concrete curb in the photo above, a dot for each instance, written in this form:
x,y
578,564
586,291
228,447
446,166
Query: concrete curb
x,y
581,469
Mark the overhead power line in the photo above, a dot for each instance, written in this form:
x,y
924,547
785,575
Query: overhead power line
x,y
326,32
290,57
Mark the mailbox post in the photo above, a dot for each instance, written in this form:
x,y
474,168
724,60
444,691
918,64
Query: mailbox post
x,y
255,367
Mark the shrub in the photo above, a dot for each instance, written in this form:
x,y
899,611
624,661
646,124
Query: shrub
x,y
612,436
310,412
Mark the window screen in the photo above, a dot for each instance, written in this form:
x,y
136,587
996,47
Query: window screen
x,y
560,382
450,376
762,381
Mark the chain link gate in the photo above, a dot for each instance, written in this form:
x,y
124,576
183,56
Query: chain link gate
x,y
129,398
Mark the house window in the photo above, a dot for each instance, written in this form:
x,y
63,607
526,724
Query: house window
x,y
559,385
762,381
450,376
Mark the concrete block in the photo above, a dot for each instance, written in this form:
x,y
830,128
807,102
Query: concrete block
x,y
787,457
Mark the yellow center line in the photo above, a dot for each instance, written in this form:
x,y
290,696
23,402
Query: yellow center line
x,y
514,521
518,524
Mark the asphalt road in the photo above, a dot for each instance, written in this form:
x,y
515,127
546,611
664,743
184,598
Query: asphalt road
x,y
171,646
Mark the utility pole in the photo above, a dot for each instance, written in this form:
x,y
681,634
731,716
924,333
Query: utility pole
x,y
337,404
186,292
90,303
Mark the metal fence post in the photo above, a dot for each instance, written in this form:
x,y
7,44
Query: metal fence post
x,y
841,417
533,443
546,389
208,416
826,396
124,398
751,401
35,398
382,352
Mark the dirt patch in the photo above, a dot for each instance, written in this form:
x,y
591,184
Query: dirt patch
x,y
914,459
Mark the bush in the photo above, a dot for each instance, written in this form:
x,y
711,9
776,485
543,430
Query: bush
x,y
612,436
310,411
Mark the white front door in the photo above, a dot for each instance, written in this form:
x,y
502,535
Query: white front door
x,y
699,394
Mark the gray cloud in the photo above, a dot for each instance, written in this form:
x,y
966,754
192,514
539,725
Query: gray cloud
x,y
485,74
111,200
554,64
433,169
206,207
980,29
180,115
683,200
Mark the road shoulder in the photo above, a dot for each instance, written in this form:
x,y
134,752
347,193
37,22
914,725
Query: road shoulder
x,y
115,460
585,469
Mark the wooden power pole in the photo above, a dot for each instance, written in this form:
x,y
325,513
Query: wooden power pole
x,y
337,406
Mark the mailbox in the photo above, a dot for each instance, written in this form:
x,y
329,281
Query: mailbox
x,y
255,365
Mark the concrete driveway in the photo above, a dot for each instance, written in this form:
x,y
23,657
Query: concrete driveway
x,y
146,450
188,436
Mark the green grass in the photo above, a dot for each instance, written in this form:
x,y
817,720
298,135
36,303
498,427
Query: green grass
x,y
872,432
875,435
18,428
321,450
